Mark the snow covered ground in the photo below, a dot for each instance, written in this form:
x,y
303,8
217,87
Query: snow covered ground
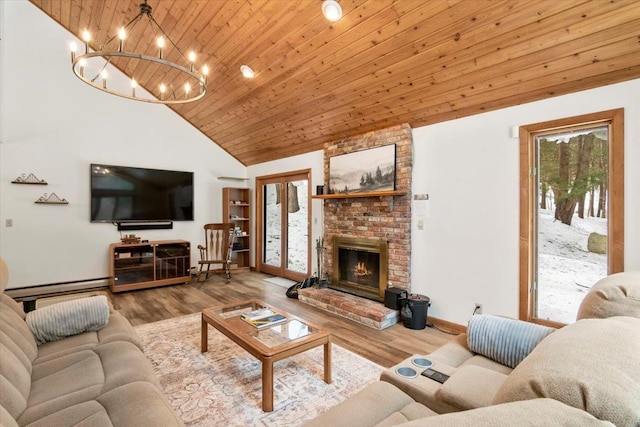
x,y
297,228
566,269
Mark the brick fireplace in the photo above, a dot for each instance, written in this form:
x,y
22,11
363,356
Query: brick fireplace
x,y
387,218
380,220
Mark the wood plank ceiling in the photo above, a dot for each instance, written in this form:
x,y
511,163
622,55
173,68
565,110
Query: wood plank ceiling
x,y
386,62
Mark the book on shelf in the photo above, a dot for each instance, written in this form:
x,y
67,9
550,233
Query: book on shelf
x,y
257,314
265,322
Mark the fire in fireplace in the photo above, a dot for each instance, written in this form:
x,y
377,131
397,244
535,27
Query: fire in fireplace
x,y
360,266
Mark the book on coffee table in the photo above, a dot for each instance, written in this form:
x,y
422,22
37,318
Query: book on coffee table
x,y
264,322
258,314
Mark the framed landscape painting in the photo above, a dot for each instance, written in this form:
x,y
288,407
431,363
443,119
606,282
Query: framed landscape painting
x,y
363,171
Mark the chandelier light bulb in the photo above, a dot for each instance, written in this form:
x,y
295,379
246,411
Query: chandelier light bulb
x,y
331,10
187,88
192,58
205,72
82,63
247,72
134,84
160,46
86,36
121,36
73,47
104,76
163,89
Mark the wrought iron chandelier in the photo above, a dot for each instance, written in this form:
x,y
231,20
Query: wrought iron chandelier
x,y
180,84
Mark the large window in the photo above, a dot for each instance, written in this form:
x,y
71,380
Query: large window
x,y
572,196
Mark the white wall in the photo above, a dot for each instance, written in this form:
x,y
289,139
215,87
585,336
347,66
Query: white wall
x,y
54,125
468,250
314,161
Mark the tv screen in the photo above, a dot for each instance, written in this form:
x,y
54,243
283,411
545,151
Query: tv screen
x,y
122,193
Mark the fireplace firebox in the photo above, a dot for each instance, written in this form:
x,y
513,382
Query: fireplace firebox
x,y
360,266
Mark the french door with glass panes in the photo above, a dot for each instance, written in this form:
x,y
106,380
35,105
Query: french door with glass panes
x,y
283,225
571,212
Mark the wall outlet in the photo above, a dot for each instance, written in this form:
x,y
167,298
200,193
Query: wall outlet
x,y
477,309
8,222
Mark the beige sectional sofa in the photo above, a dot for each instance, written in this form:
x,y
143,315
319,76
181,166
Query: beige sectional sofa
x,y
99,378
584,374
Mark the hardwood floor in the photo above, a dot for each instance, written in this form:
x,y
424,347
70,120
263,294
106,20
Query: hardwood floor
x,y
386,347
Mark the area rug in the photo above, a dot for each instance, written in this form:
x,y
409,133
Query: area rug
x,y
223,386
280,281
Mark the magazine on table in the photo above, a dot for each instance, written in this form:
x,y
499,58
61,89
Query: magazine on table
x,y
264,322
258,314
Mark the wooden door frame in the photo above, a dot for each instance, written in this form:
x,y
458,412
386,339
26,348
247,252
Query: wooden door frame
x,y
281,178
528,182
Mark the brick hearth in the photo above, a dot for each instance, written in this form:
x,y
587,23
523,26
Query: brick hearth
x,y
366,312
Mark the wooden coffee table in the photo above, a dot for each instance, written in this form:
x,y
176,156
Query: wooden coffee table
x,y
270,344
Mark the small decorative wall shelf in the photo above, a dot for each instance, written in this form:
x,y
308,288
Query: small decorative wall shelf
x,y
29,179
52,199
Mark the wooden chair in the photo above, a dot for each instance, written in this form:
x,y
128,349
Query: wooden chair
x,y
218,244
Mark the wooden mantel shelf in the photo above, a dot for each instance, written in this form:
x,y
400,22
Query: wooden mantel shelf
x,y
357,195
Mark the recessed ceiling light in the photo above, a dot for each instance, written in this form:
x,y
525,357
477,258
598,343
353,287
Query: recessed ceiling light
x,y
247,71
331,10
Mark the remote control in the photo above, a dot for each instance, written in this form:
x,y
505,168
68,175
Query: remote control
x,y
435,375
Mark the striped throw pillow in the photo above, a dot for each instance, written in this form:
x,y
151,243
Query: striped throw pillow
x,y
507,341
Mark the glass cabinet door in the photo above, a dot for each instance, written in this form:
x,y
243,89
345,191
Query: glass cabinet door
x,y
133,265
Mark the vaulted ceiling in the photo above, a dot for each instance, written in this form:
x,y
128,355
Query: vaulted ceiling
x,y
386,62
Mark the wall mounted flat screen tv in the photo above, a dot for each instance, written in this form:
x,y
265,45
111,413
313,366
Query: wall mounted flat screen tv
x,y
129,194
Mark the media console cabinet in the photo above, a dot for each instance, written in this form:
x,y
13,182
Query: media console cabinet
x,y
149,264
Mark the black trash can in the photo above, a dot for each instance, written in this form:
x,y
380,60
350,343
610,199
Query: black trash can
x,y
414,311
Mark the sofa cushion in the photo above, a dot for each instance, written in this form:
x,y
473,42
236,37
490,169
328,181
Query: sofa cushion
x,y
454,353
68,318
85,414
6,420
591,365
507,341
530,413
4,275
9,302
83,376
471,387
614,295
118,329
413,411
15,383
373,404
17,331
139,404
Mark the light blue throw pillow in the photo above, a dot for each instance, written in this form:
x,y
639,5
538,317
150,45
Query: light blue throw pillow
x,y
507,341
68,318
